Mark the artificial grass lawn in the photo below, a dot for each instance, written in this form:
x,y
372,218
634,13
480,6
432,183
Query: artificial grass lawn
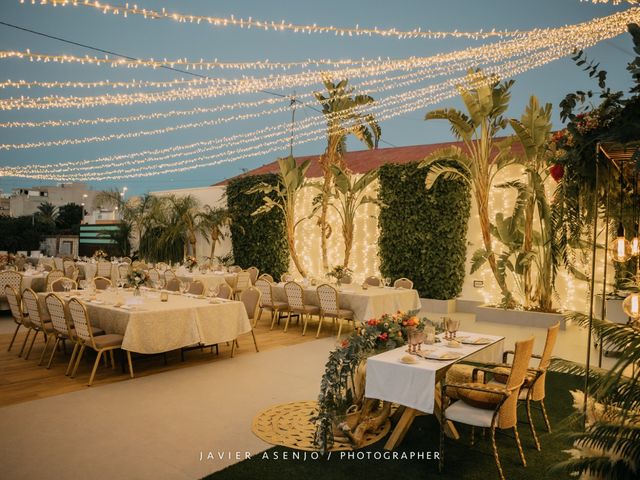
x,y
462,461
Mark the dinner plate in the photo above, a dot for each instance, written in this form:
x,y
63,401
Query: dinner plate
x,y
442,356
477,341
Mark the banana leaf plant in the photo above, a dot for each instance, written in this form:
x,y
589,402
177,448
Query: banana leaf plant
x,y
284,196
486,100
349,194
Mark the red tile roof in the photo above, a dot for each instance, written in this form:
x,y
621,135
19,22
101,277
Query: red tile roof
x,y
362,161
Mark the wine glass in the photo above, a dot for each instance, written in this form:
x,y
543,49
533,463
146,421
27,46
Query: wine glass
x,y
387,281
214,290
452,325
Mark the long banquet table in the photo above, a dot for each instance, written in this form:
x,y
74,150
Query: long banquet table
x,y
414,385
210,279
152,326
365,304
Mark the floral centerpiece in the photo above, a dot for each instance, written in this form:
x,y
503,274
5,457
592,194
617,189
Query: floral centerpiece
x,y
190,262
339,272
341,392
99,254
136,278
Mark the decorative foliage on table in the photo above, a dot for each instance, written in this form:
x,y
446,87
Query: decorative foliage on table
x,y
137,277
608,448
190,262
339,272
261,240
99,254
339,390
417,240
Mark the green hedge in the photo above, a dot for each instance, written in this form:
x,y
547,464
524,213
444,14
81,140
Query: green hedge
x,y
259,241
423,235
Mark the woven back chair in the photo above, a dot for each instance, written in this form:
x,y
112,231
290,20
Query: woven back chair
x,y
52,277
243,282
173,285
58,263
253,274
267,301
295,305
330,307
123,270
225,291
68,266
58,284
11,278
103,269
61,325
251,300
235,269
373,281
72,272
85,337
168,275
489,406
36,319
267,277
48,267
154,277
196,288
21,320
101,283
403,283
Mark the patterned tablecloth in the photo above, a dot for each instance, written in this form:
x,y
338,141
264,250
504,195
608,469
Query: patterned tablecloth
x,y
365,304
152,326
414,385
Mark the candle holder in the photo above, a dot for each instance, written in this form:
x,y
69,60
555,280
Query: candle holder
x,y
164,296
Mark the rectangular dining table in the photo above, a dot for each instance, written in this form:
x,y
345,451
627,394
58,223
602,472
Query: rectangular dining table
x,y
365,304
413,385
151,326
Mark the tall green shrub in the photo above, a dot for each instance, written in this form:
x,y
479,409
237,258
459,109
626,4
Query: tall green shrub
x,y
259,240
423,233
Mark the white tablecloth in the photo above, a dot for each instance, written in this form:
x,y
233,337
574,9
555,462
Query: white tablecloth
x,y
209,279
155,327
414,385
89,270
365,304
36,282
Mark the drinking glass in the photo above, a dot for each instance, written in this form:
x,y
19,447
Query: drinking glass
x,y
387,281
214,290
452,327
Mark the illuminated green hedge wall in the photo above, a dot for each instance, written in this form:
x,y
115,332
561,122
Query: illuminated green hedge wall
x,y
423,235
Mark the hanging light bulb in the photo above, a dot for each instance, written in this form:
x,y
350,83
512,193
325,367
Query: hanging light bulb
x,y
631,305
635,243
621,248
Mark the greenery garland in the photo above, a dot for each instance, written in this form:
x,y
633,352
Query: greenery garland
x,y
260,240
423,233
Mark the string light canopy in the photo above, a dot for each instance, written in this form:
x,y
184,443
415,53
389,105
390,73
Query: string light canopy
x,y
127,10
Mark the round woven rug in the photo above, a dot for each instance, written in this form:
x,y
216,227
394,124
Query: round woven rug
x,y
289,425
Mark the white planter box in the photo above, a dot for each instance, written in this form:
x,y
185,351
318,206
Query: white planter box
x,y
485,313
438,306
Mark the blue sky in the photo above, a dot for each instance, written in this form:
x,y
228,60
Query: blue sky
x,y
141,38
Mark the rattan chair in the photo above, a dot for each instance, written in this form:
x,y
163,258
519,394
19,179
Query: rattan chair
x,y
330,307
168,275
173,285
243,282
101,283
103,269
19,317
196,288
123,270
267,302
85,337
154,277
235,269
267,277
58,285
253,274
68,266
373,281
251,299
488,406
52,277
48,267
225,291
403,283
11,278
62,327
39,323
296,305
58,263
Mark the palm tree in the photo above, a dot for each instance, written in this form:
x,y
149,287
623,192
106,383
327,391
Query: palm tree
x,y
47,212
215,220
485,100
184,222
343,119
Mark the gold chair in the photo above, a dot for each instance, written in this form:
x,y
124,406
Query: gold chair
x,y
48,267
169,275
62,327
20,318
225,291
52,277
267,302
123,270
103,269
11,278
251,300
243,282
373,281
39,323
488,406
85,337
533,389
330,307
174,285
403,283
253,274
154,277
58,285
196,288
296,305
235,269
267,277
68,266
101,283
